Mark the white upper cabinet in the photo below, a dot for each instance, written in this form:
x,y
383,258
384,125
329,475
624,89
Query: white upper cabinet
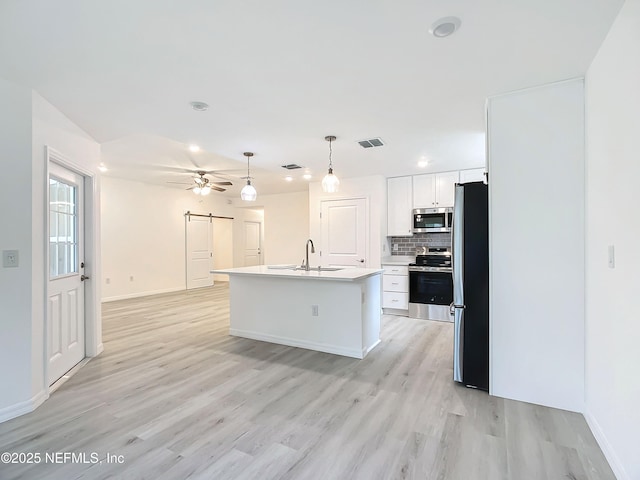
x,y
434,190
446,188
472,175
424,191
399,200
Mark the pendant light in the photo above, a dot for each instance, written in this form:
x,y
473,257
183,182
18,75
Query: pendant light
x,y
330,182
248,193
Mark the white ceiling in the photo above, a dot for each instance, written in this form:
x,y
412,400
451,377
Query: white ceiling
x,y
280,75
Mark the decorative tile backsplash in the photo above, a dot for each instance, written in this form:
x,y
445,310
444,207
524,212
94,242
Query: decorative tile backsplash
x,y
407,245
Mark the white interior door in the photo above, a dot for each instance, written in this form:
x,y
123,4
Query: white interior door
x,y
65,289
252,244
344,233
199,251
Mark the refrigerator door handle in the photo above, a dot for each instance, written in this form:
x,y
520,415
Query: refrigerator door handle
x,y
458,343
453,306
458,283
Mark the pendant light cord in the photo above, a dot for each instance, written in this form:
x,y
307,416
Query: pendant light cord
x,y
330,152
248,155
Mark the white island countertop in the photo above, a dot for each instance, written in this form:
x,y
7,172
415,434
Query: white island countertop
x,y
287,271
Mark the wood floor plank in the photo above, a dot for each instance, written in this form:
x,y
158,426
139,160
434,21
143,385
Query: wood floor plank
x,y
179,398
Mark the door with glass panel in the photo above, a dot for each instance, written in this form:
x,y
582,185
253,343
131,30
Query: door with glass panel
x,y
65,303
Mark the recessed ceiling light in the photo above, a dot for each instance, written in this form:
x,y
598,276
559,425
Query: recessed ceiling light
x,y
199,106
194,148
444,27
423,163
289,178
102,168
307,176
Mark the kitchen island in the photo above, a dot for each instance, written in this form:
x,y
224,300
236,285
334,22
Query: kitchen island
x,y
336,311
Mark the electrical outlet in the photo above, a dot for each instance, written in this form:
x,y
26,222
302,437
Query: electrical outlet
x,y
395,247
10,258
314,310
131,278
107,281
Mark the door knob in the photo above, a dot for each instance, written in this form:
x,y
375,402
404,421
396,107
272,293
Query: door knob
x,y
84,277
361,260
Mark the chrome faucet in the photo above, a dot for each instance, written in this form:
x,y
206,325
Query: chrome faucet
x,y
313,250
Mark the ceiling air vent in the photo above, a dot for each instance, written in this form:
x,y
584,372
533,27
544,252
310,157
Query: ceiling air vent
x,y
291,166
373,142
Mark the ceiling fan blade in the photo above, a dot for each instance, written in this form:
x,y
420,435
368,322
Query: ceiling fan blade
x,y
218,189
224,174
222,183
179,183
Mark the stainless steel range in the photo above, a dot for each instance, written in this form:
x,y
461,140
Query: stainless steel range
x,y
431,284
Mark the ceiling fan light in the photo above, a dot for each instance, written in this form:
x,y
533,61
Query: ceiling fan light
x,y
197,190
248,193
206,190
330,183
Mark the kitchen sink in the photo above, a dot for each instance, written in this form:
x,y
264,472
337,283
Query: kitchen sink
x,y
298,268
321,269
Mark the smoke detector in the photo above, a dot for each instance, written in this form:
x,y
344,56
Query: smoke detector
x,y
444,27
199,106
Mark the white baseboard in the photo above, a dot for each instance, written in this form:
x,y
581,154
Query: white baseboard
x,y
21,408
141,294
614,462
291,342
365,351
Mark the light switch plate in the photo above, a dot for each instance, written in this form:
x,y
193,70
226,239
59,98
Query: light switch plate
x,y
10,258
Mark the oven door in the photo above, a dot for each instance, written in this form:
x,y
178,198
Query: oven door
x,y
430,294
435,288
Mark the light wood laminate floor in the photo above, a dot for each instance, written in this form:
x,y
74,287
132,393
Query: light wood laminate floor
x,y
179,398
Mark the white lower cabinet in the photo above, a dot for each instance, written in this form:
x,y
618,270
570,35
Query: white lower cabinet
x,y
395,288
397,300
395,283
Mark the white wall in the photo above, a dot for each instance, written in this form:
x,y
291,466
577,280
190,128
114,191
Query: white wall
x,y
28,124
286,227
143,236
536,185
16,313
222,246
374,189
613,196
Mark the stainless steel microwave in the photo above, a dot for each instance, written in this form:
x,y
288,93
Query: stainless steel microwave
x,y
429,220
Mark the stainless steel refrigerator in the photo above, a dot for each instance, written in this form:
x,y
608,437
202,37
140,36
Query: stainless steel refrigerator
x,y
470,306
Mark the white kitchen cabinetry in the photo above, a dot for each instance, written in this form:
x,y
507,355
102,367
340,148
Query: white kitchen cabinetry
x,y
395,289
434,190
399,205
472,175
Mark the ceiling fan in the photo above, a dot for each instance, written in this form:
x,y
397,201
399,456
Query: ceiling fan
x,y
203,186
